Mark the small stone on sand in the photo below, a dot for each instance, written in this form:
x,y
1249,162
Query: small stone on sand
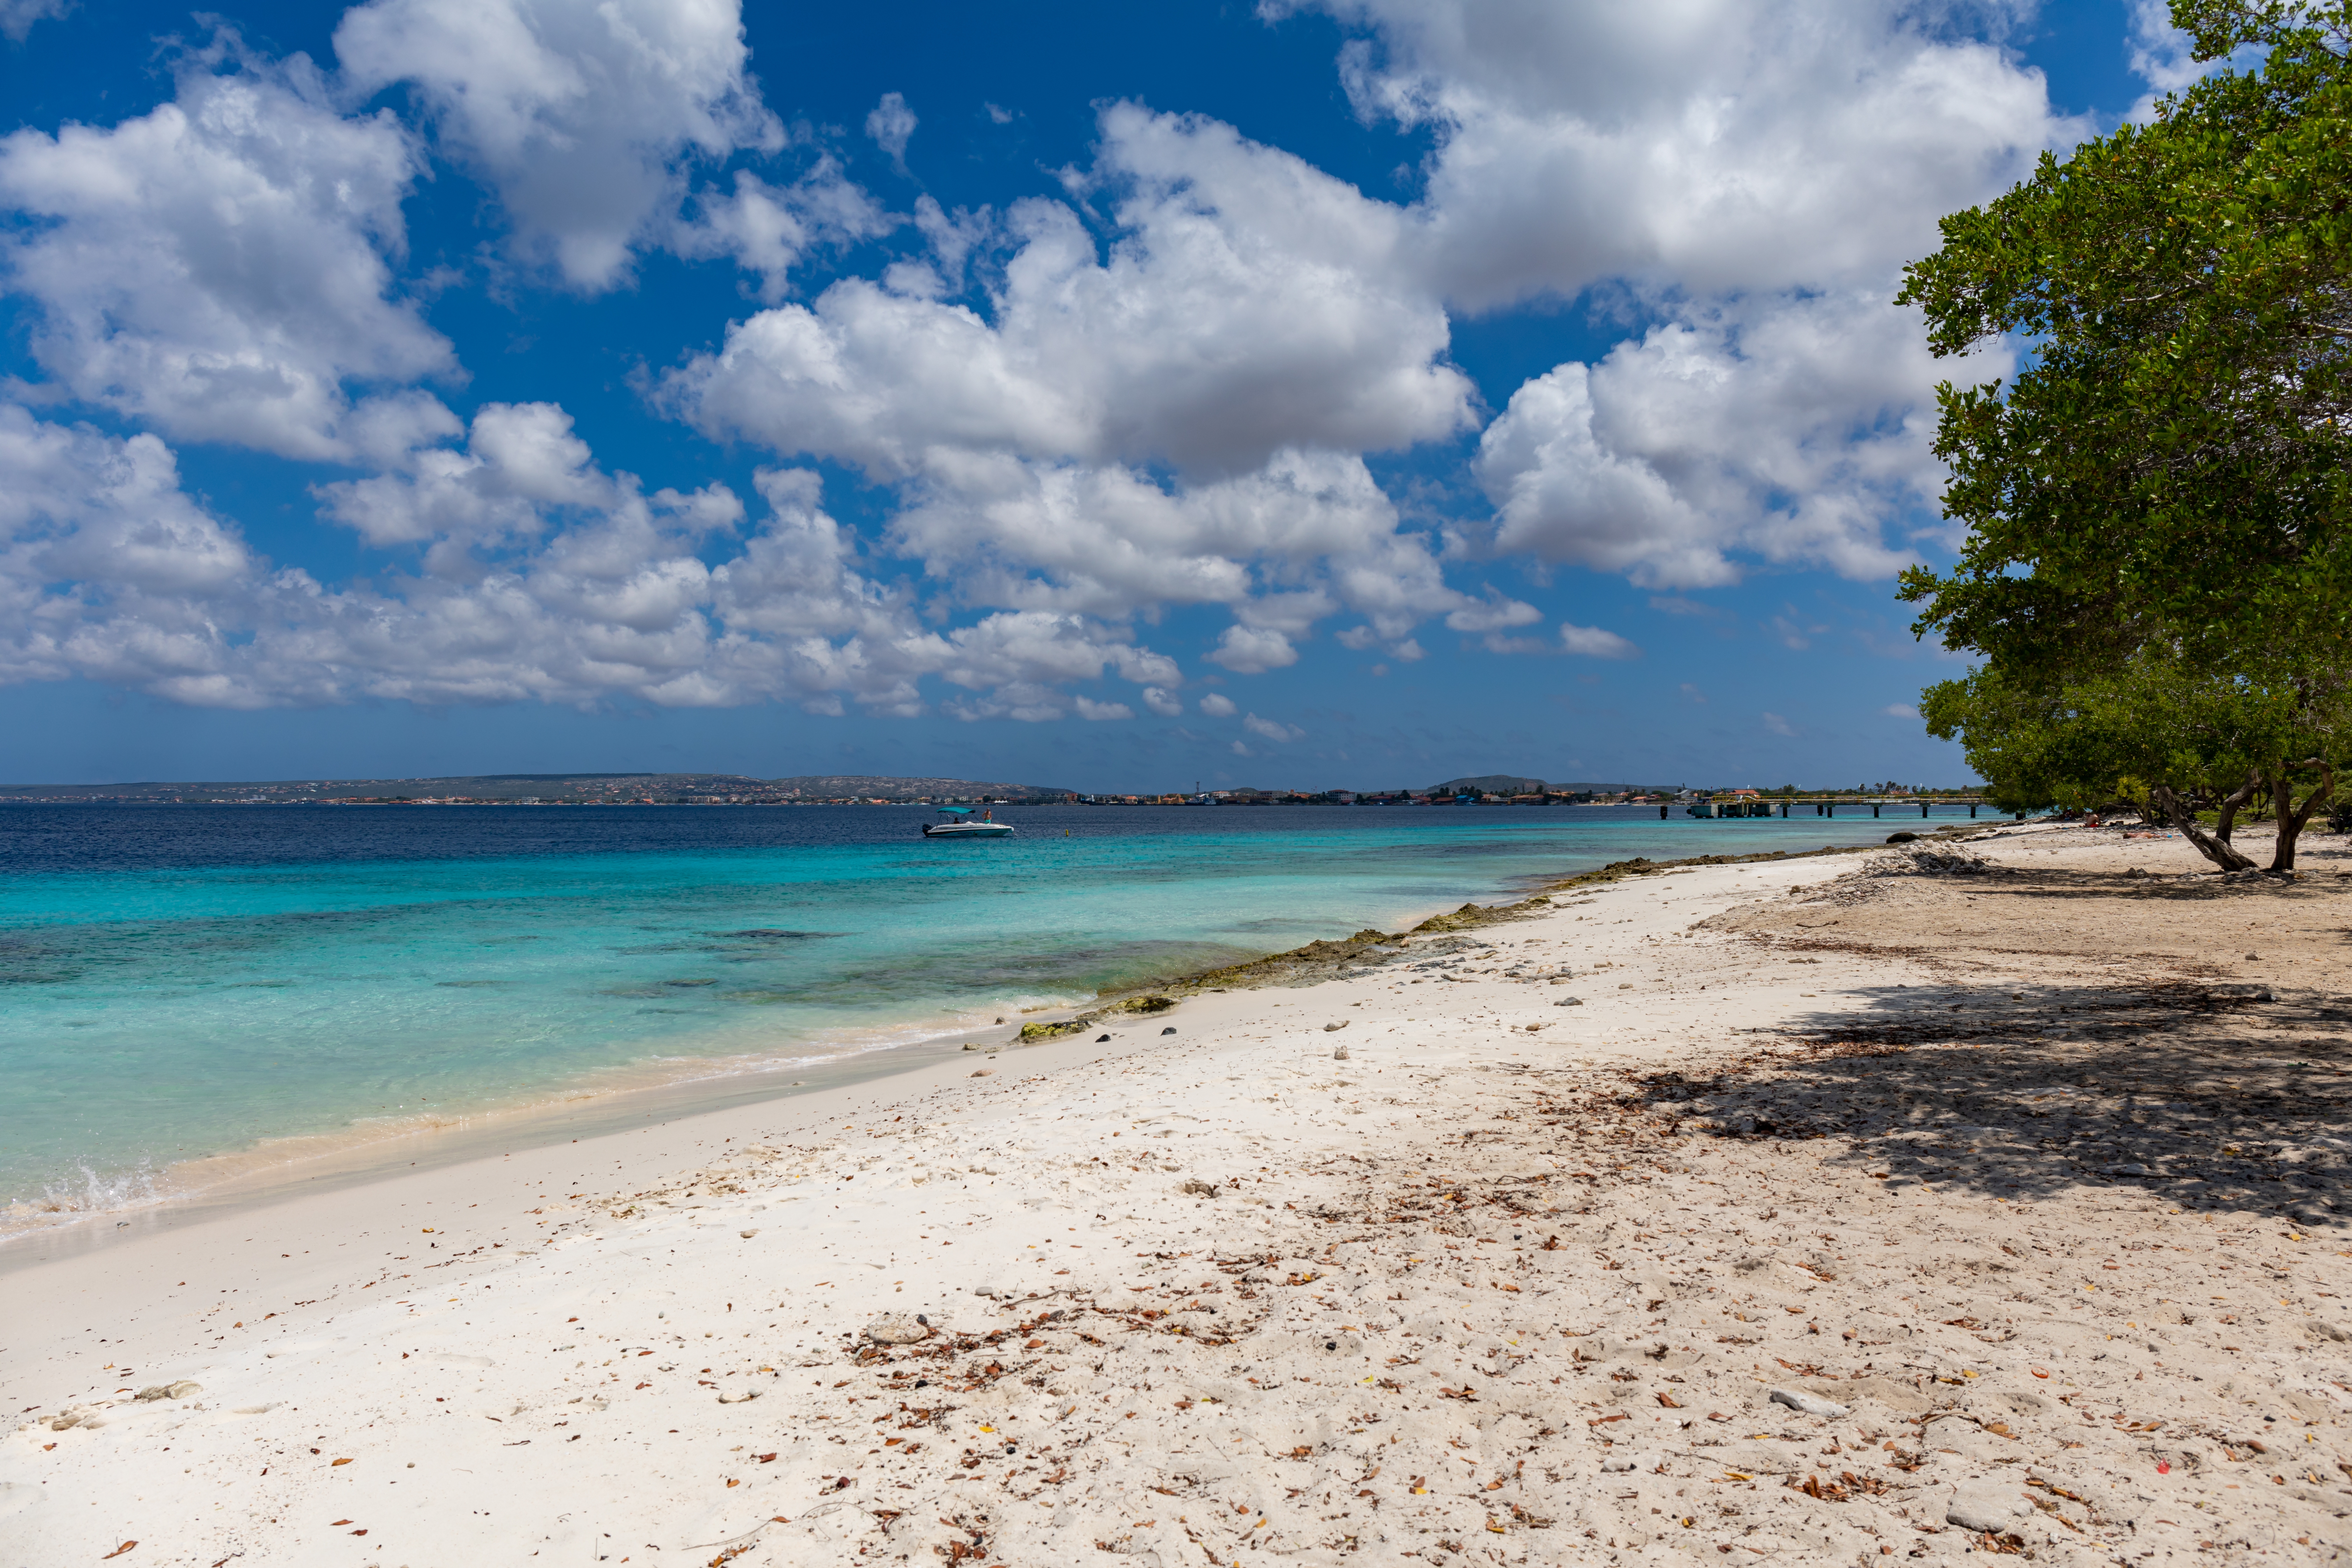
x,y
180,1390
1987,1506
896,1329
1811,1404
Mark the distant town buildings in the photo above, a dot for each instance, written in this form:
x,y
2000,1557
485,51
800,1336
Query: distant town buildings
x,y
722,789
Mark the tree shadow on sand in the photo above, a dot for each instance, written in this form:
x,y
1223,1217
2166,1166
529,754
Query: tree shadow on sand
x,y
2211,1097
2204,886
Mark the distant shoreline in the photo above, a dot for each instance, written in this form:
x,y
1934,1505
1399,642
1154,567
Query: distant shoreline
x,y
1223,804
1638,1159
690,1083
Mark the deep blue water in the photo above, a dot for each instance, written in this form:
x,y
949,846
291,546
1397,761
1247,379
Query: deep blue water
x,y
186,980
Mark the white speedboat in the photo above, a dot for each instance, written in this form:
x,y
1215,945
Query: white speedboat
x,y
960,824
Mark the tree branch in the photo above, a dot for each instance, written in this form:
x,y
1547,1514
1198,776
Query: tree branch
x,y
2291,821
2233,801
2180,814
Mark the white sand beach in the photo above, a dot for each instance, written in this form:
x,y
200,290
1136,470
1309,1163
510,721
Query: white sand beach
x,y
1853,1211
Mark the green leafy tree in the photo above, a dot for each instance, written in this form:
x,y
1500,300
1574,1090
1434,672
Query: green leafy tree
x,y
2159,499
2171,742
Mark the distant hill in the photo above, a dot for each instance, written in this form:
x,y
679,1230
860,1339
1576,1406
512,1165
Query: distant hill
x,y
587,789
658,789
1582,787
1511,784
1489,783
825,787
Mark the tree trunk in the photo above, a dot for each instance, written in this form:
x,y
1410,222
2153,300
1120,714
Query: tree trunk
x,y
2290,820
2183,816
2228,817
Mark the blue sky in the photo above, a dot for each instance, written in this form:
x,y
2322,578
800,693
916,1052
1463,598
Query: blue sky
x,y
1351,393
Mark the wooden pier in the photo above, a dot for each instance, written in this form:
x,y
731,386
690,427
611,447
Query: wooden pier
x,y
1879,807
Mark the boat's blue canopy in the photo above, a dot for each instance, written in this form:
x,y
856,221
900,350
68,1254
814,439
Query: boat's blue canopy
x,y
955,811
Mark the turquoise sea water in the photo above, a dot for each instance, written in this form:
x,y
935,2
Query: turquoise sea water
x,y
188,981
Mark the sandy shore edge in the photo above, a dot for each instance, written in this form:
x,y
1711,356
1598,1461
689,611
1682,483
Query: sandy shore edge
x,y
221,1185
1509,1280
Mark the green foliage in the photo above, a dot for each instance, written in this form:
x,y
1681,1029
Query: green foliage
x,y
2106,739
2170,470
2158,557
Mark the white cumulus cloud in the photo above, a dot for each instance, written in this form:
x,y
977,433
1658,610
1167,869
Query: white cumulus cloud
x,y
1493,615
1790,430
891,124
17,16
1750,178
1710,144
539,575
771,229
521,458
1251,304
1307,536
1158,388
1273,729
1252,328
216,268
1594,642
1251,650
106,512
579,113
2165,57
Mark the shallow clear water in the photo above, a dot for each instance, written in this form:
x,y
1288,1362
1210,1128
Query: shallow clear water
x,y
185,981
